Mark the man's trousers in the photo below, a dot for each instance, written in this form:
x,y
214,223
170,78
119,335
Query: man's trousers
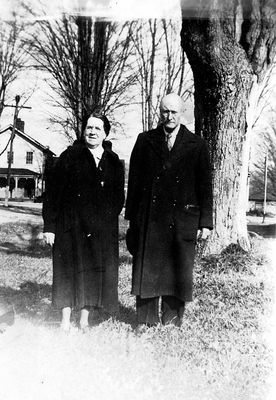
x,y
172,310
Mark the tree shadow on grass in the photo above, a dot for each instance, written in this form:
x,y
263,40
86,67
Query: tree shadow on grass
x,y
22,210
33,302
32,245
37,250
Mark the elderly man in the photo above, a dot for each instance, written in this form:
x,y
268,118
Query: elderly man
x,y
169,205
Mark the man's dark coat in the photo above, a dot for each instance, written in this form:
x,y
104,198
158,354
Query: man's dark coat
x,y
169,199
81,206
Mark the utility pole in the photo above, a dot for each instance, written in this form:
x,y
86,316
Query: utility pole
x,y
265,189
16,111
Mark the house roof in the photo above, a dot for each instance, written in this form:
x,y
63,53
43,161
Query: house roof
x,y
28,138
18,172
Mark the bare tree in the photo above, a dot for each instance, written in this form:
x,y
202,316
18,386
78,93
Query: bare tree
x,y
234,44
160,66
12,56
263,134
264,102
88,64
265,149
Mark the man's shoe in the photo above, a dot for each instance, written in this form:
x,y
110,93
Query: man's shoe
x,y
142,328
175,321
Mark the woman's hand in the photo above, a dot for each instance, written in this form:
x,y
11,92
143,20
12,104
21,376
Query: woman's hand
x,y
49,238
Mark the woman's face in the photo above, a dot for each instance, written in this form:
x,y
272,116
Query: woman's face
x,y
94,133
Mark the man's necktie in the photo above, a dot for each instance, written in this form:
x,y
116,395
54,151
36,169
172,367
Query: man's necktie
x,y
169,141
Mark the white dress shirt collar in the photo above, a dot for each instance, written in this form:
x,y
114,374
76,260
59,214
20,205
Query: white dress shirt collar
x,y
172,134
97,154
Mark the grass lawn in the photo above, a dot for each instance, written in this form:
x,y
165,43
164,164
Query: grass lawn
x,y
222,351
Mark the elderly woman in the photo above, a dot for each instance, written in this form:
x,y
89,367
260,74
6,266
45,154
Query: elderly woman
x,y
81,207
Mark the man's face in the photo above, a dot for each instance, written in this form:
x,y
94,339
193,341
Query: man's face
x,y
94,133
171,112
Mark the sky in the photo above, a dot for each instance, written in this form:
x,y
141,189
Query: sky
x,y
37,119
111,9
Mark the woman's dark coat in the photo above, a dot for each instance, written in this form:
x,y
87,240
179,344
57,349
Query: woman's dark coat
x,y
81,206
169,199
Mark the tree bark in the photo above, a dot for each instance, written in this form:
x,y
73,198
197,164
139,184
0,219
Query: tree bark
x,y
224,79
91,68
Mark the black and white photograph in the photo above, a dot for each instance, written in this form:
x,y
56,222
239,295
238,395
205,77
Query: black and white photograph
x,y
137,199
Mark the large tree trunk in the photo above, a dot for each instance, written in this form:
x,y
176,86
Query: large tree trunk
x,y
223,79
92,49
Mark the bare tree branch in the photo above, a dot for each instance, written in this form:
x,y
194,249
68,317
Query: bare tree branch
x,y
12,55
89,63
159,66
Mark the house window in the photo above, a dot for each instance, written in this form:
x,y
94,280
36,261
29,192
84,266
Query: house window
x,y
8,157
29,157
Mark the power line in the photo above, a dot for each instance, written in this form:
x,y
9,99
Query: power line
x,y
16,111
5,147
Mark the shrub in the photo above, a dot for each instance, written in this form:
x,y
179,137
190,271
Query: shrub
x,y
233,258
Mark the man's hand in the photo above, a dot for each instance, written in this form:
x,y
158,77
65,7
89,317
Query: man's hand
x,y
202,234
49,238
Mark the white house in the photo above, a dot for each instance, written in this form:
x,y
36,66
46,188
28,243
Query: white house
x,y
27,163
